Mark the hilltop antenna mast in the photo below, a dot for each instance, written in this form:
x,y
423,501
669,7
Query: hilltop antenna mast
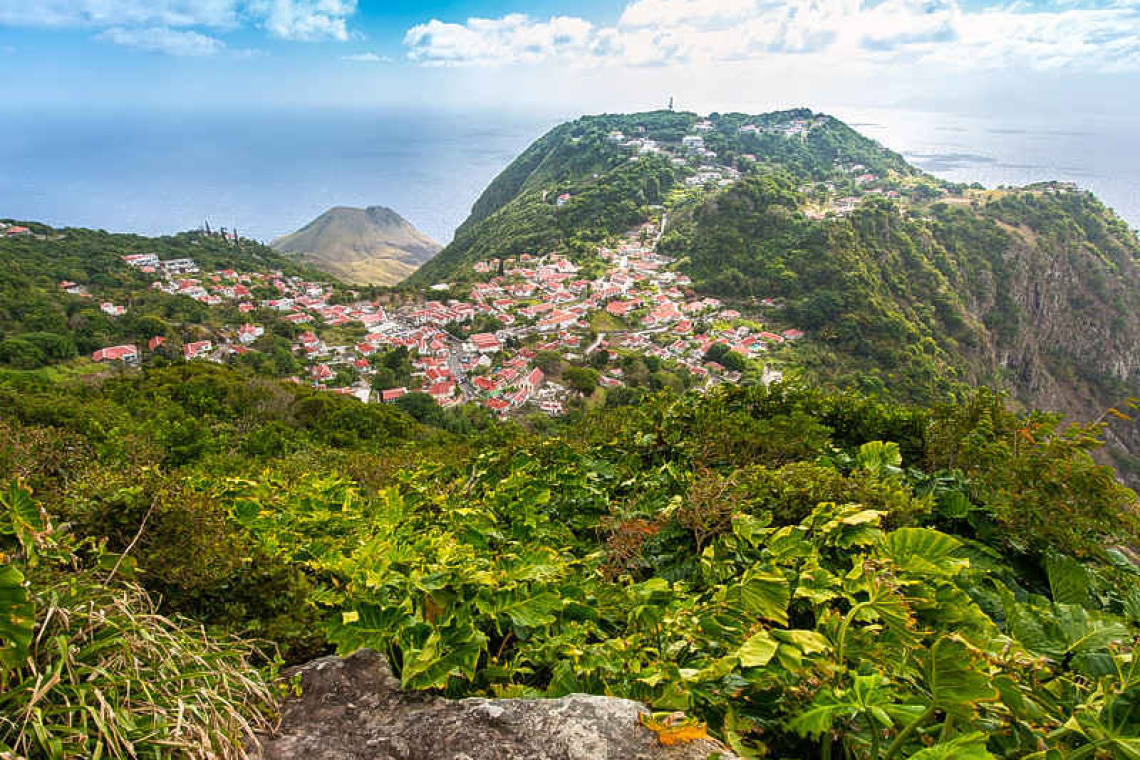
x,y
670,102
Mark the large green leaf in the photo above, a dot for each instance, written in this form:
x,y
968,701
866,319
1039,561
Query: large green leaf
x,y
822,714
1068,579
923,551
21,517
879,457
366,625
965,747
758,650
763,594
534,612
954,675
17,617
454,652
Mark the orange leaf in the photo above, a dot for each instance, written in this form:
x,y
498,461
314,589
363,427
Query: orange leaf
x,y
674,728
671,736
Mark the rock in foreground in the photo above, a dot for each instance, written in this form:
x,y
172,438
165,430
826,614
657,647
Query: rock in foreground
x,y
354,709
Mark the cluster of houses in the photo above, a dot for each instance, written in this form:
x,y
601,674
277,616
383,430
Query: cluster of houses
x,y
789,128
536,303
545,304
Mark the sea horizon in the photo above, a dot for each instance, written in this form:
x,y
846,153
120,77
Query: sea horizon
x,y
267,172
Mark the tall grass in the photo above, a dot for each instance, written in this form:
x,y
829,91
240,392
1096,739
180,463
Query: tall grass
x,y
108,677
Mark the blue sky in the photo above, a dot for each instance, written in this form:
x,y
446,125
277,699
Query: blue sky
x,y
1046,55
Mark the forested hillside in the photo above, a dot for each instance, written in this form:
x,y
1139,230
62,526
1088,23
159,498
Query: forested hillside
x,y
42,323
906,285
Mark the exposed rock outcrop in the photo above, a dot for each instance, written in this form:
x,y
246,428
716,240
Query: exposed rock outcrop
x,y
353,709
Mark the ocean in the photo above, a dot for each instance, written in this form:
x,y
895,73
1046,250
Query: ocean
x,y
269,172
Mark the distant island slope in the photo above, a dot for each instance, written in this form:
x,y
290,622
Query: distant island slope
x,y
370,246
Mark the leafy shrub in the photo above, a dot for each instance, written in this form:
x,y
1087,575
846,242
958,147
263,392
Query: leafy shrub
x,y
88,668
199,561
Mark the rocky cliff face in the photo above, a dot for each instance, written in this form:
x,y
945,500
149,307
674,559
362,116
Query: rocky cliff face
x,y
1068,336
354,709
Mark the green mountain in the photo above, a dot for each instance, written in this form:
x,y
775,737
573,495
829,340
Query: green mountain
x,y
906,284
518,211
370,246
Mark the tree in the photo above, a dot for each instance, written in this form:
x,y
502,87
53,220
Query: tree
x,y
421,407
548,361
581,379
725,357
20,353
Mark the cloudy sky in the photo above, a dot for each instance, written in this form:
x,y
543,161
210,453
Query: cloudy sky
x,y
588,55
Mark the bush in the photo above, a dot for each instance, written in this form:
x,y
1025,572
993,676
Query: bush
x,y
201,562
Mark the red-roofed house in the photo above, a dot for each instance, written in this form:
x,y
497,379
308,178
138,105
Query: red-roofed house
x,y
155,342
621,308
497,405
485,343
392,394
126,354
533,380
442,391
249,333
197,349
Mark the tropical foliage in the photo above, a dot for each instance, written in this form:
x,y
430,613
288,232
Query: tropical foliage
x,y
802,574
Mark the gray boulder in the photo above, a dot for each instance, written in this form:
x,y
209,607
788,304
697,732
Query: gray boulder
x,y
353,709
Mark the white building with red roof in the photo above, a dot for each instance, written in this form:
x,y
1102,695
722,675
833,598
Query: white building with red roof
x,y
125,354
197,349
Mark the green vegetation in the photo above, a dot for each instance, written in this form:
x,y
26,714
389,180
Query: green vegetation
x,y
599,208
810,574
40,324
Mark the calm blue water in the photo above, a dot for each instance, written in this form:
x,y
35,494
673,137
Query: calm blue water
x,y
1098,152
271,172
266,173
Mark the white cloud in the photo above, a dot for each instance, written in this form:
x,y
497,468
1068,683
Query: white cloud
x,y
366,58
217,14
164,40
510,39
305,20
839,33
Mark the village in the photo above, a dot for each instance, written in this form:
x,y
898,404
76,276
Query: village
x,y
533,305
484,342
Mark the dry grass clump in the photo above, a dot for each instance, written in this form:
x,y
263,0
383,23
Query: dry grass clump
x,y
108,677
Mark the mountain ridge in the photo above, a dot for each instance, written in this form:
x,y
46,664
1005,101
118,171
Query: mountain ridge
x,y
908,284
